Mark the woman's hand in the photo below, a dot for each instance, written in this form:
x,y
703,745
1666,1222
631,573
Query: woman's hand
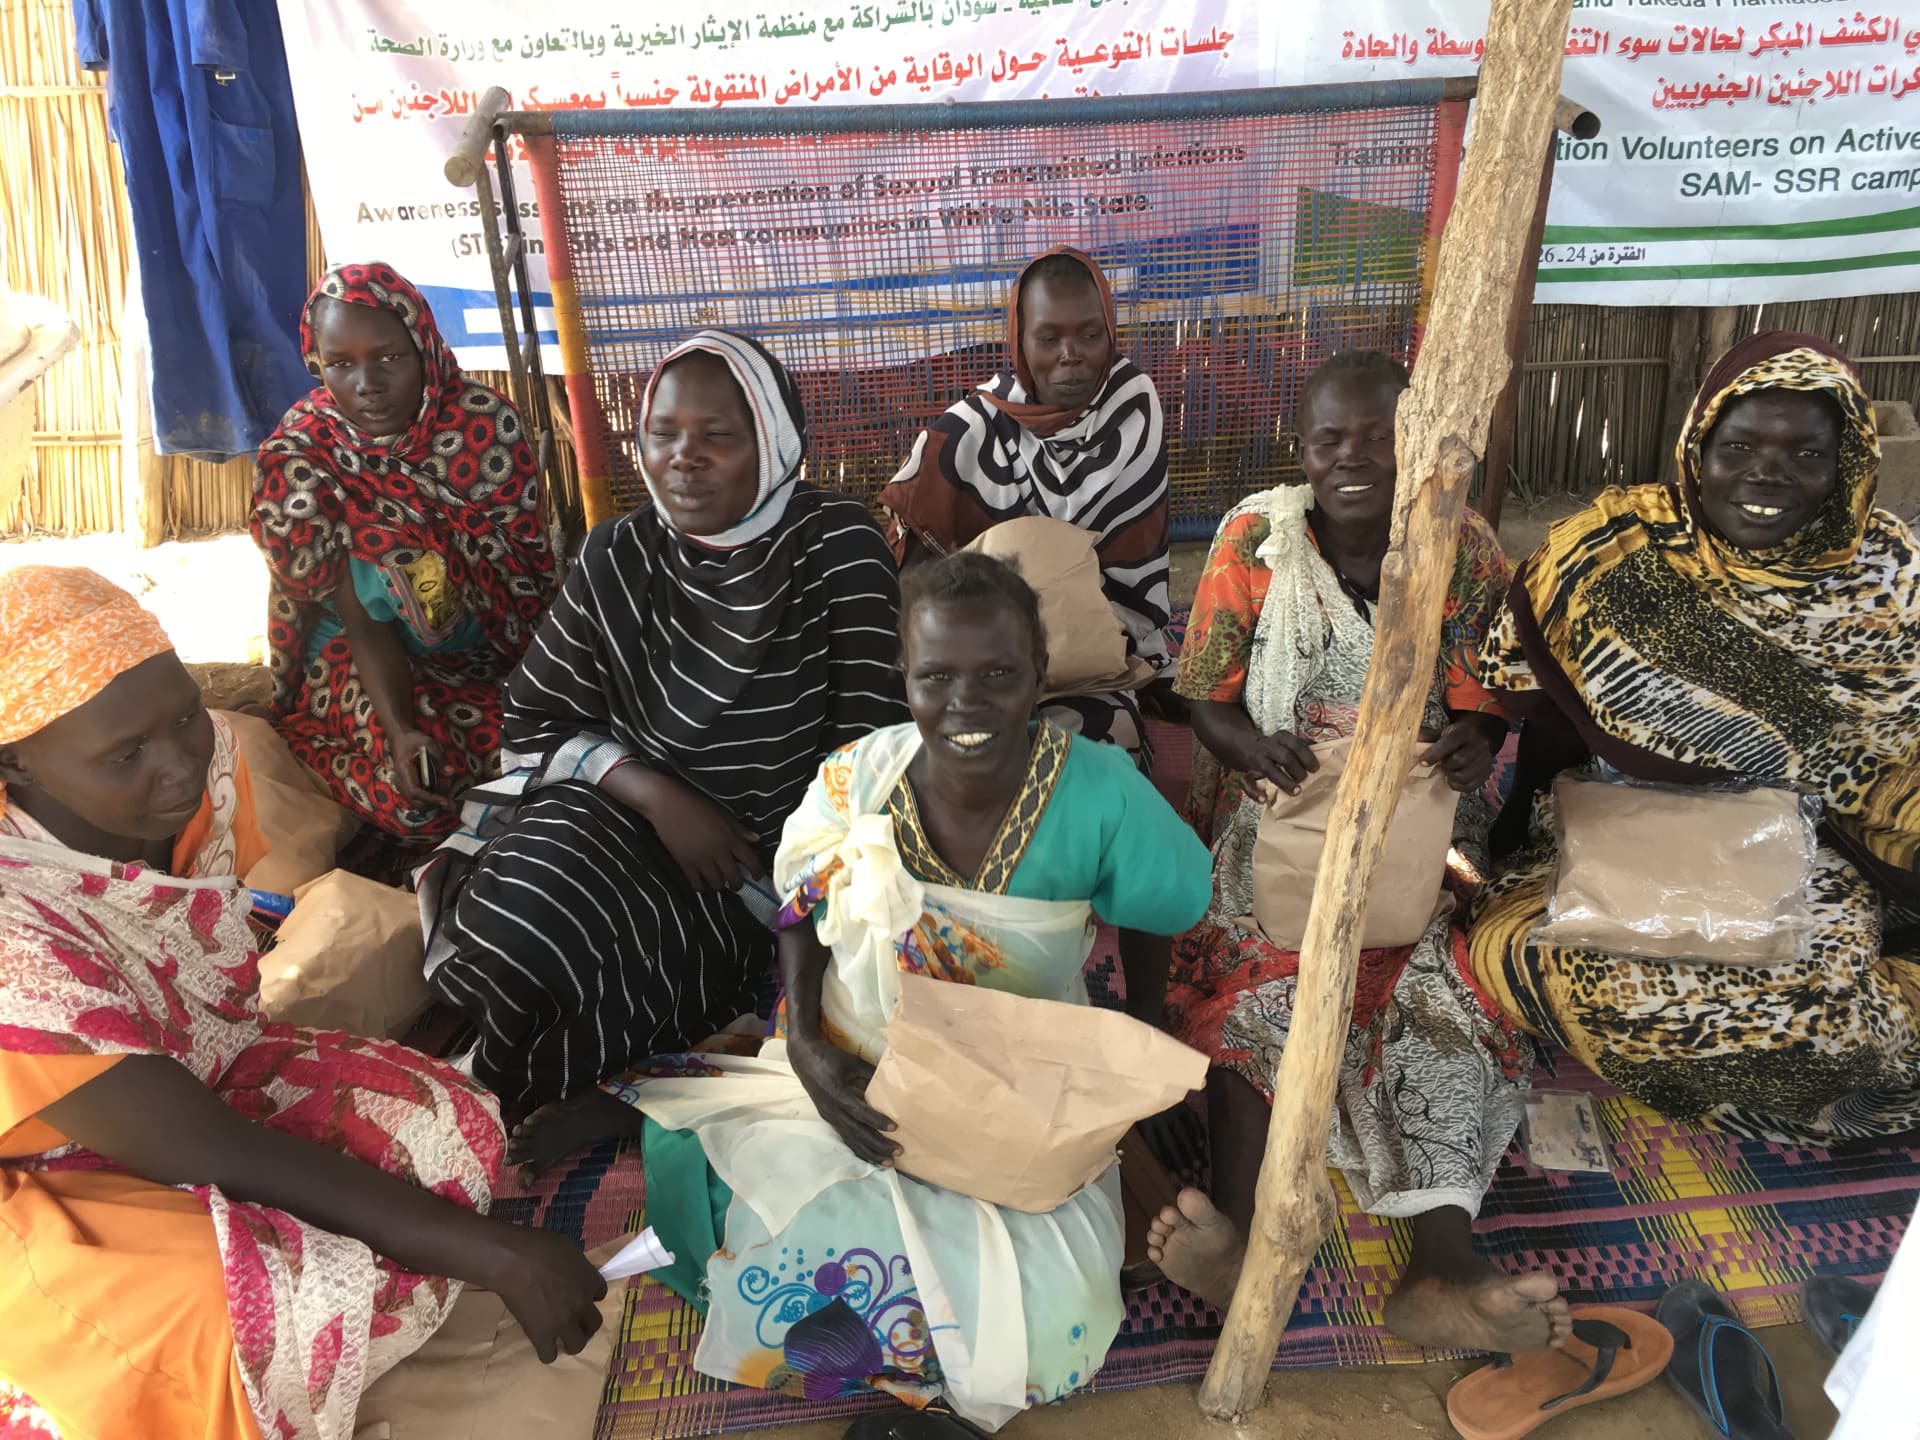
x,y
836,1082
712,849
551,1288
1464,752
404,748
1282,758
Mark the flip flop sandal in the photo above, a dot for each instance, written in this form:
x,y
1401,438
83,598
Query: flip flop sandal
x,y
1720,1367
1612,1350
1833,1307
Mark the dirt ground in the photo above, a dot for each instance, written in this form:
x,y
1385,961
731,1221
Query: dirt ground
x,y
1395,1402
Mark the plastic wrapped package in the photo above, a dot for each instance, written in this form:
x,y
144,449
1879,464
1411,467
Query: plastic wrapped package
x,y
1711,875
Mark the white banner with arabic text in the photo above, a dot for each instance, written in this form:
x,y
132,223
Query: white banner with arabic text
x,y
1753,150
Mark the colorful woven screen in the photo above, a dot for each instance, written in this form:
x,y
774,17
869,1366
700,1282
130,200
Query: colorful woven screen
x,y
1248,235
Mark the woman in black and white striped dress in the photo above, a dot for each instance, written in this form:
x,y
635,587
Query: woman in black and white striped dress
x,y
601,903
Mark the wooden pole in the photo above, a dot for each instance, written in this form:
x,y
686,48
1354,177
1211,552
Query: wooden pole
x,y
1442,428
143,470
1722,321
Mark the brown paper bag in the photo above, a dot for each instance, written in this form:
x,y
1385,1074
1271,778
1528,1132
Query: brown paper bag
x,y
347,958
477,1377
1406,887
1715,877
1019,1102
299,820
1086,646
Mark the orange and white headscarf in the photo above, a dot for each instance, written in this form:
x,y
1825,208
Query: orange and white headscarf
x,y
65,635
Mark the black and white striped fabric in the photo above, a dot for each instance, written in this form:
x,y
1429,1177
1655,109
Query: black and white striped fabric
x,y
573,939
1106,473
1000,453
558,921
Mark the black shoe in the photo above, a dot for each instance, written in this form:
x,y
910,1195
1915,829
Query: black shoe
x,y
912,1425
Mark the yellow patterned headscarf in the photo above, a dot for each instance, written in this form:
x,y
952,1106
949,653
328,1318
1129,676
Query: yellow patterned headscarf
x,y
1784,360
65,635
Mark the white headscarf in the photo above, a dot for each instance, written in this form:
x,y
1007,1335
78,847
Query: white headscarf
x,y
779,428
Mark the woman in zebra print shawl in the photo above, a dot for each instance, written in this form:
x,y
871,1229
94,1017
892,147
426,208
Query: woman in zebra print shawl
x,y
1074,432
1758,618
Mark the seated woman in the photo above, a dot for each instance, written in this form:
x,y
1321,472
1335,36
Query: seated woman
x,y
398,508
1073,432
706,653
1758,619
821,1270
1431,1085
210,1224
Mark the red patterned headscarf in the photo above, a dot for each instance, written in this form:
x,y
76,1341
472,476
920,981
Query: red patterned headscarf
x,y
459,481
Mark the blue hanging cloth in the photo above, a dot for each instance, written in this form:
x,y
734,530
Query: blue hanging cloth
x,y
201,106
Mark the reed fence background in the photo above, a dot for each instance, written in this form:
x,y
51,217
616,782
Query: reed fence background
x,y
1601,394
1604,389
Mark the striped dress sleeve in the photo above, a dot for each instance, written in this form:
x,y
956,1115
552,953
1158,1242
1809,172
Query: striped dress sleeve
x,y
555,704
865,689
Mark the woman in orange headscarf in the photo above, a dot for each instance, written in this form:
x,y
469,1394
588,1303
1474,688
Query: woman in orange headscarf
x,y
210,1224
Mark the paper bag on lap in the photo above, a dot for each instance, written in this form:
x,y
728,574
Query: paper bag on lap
x,y
477,1377
347,958
1716,877
1405,894
1086,646
1014,1101
301,824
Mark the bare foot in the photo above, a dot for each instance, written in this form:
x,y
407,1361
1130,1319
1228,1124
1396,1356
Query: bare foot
x,y
1480,1308
1197,1248
555,1131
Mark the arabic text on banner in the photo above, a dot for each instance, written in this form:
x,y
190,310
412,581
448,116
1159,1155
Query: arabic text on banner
x,y
1754,150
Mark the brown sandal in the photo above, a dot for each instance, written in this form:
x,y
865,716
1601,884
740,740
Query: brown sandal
x,y
1611,1351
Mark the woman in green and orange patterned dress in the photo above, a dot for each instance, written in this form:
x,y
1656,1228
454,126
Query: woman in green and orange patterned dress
x,y
1431,1083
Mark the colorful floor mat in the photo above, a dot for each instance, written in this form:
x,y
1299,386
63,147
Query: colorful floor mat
x,y
1752,1218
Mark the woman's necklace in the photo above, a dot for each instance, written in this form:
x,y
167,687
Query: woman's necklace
x,y
1364,599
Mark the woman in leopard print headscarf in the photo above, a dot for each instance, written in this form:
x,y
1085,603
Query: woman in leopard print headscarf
x,y
1760,619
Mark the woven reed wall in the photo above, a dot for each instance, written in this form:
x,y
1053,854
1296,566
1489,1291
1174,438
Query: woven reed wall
x,y
69,241
1871,329
1594,398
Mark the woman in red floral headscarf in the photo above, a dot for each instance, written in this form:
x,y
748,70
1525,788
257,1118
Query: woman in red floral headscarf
x,y
399,510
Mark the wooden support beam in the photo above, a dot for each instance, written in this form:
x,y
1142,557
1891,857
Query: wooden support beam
x,y
1442,428
1722,322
